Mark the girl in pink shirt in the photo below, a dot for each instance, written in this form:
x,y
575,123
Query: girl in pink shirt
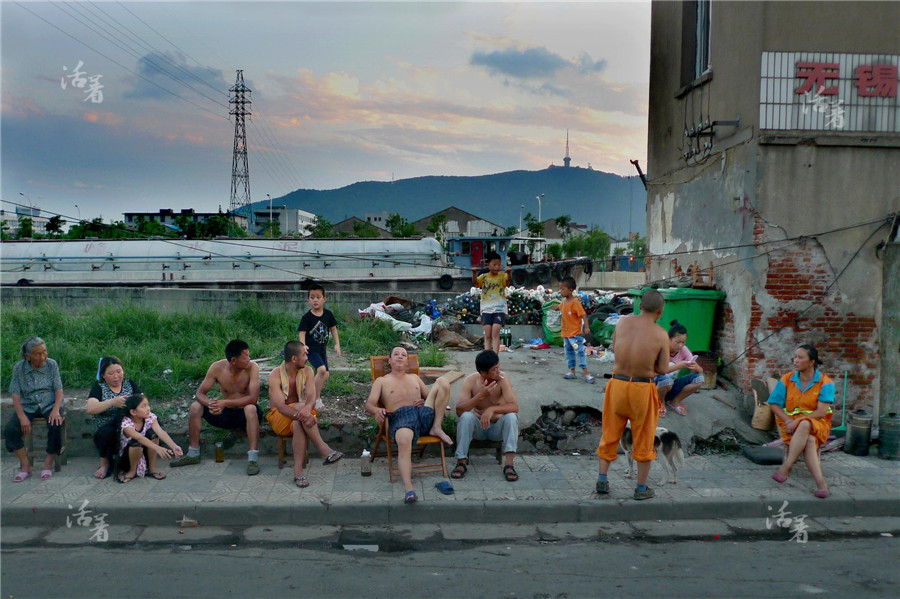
x,y
675,390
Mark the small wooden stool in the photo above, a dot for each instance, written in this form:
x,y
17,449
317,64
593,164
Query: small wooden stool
x,y
283,442
61,458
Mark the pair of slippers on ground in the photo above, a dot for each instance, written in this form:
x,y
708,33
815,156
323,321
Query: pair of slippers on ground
x,y
22,475
509,472
443,486
569,376
334,456
123,478
780,478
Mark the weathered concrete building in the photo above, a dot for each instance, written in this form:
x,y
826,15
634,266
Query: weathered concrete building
x,y
773,153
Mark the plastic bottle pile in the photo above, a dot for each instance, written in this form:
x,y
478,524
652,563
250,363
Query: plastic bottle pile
x,y
523,305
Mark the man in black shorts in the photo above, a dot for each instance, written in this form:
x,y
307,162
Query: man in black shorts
x,y
238,379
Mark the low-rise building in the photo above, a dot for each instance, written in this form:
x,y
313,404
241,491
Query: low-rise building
x,y
12,219
167,216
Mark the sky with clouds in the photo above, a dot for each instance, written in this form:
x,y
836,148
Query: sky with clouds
x,y
341,92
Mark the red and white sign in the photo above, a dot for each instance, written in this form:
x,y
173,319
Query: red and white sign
x,y
829,91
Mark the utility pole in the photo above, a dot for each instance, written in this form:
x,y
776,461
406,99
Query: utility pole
x,y
240,170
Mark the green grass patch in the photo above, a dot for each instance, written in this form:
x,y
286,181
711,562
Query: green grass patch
x,y
431,355
339,383
168,354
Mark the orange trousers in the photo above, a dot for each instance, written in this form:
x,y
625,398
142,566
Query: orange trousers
x,y
626,401
820,429
281,424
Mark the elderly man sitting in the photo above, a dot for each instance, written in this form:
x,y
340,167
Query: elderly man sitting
x,y
37,392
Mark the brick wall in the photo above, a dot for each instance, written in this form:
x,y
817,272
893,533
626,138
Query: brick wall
x,y
792,307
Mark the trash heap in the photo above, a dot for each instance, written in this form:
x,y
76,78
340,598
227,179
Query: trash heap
x,y
524,308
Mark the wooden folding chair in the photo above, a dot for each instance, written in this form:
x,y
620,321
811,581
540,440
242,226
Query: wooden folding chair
x,y
379,367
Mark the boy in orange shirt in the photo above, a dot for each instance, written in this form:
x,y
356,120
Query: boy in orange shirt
x,y
574,321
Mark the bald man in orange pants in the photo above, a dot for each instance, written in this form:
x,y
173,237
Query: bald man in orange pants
x,y
641,348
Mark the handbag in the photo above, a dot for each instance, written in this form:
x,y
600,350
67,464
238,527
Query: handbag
x,y
763,418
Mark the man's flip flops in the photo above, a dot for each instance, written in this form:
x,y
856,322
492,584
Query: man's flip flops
x,y
410,497
444,487
46,474
21,476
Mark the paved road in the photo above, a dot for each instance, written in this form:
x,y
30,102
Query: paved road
x,y
534,569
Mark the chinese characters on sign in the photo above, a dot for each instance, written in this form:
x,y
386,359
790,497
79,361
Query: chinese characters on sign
x,y
795,525
833,109
829,91
94,91
82,518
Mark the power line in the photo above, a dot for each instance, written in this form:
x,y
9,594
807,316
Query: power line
x,y
117,63
123,45
815,301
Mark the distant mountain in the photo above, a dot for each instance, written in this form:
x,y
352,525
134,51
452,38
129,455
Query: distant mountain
x,y
588,196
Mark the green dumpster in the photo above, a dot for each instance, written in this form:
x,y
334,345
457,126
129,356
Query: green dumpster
x,y
694,308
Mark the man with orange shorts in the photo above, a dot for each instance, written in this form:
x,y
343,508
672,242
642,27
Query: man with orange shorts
x,y
641,349
288,416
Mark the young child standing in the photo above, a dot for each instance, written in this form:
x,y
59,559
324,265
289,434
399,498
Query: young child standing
x,y
314,330
139,441
493,300
574,321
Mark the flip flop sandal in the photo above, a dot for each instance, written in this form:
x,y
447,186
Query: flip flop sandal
x,y
21,476
123,480
301,482
589,379
156,475
681,410
46,474
331,459
569,376
410,497
509,472
663,412
444,487
460,471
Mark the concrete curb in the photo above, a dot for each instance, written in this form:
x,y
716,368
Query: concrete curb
x,y
498,511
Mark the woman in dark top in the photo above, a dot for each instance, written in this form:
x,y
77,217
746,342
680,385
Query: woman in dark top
x,y
105,401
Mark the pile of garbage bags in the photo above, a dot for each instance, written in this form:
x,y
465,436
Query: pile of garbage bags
x,y
525,306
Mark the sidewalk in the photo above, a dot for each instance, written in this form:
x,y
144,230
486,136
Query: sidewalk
x,y
550,489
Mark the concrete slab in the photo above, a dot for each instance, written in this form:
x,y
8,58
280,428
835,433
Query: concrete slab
x,y
420,532
196,535
692,529
82,535
19,535
860,525
553,531
486,532
747,526
290,533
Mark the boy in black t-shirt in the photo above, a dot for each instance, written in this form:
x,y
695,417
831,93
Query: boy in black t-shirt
x,y
315,328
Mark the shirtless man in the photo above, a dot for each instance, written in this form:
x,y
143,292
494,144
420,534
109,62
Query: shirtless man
x,y
487,409
414,411
641,348
238,379
288,383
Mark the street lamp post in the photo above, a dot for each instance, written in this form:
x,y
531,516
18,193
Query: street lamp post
x,y
271,231
30,215
520,218
79,212
539,198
